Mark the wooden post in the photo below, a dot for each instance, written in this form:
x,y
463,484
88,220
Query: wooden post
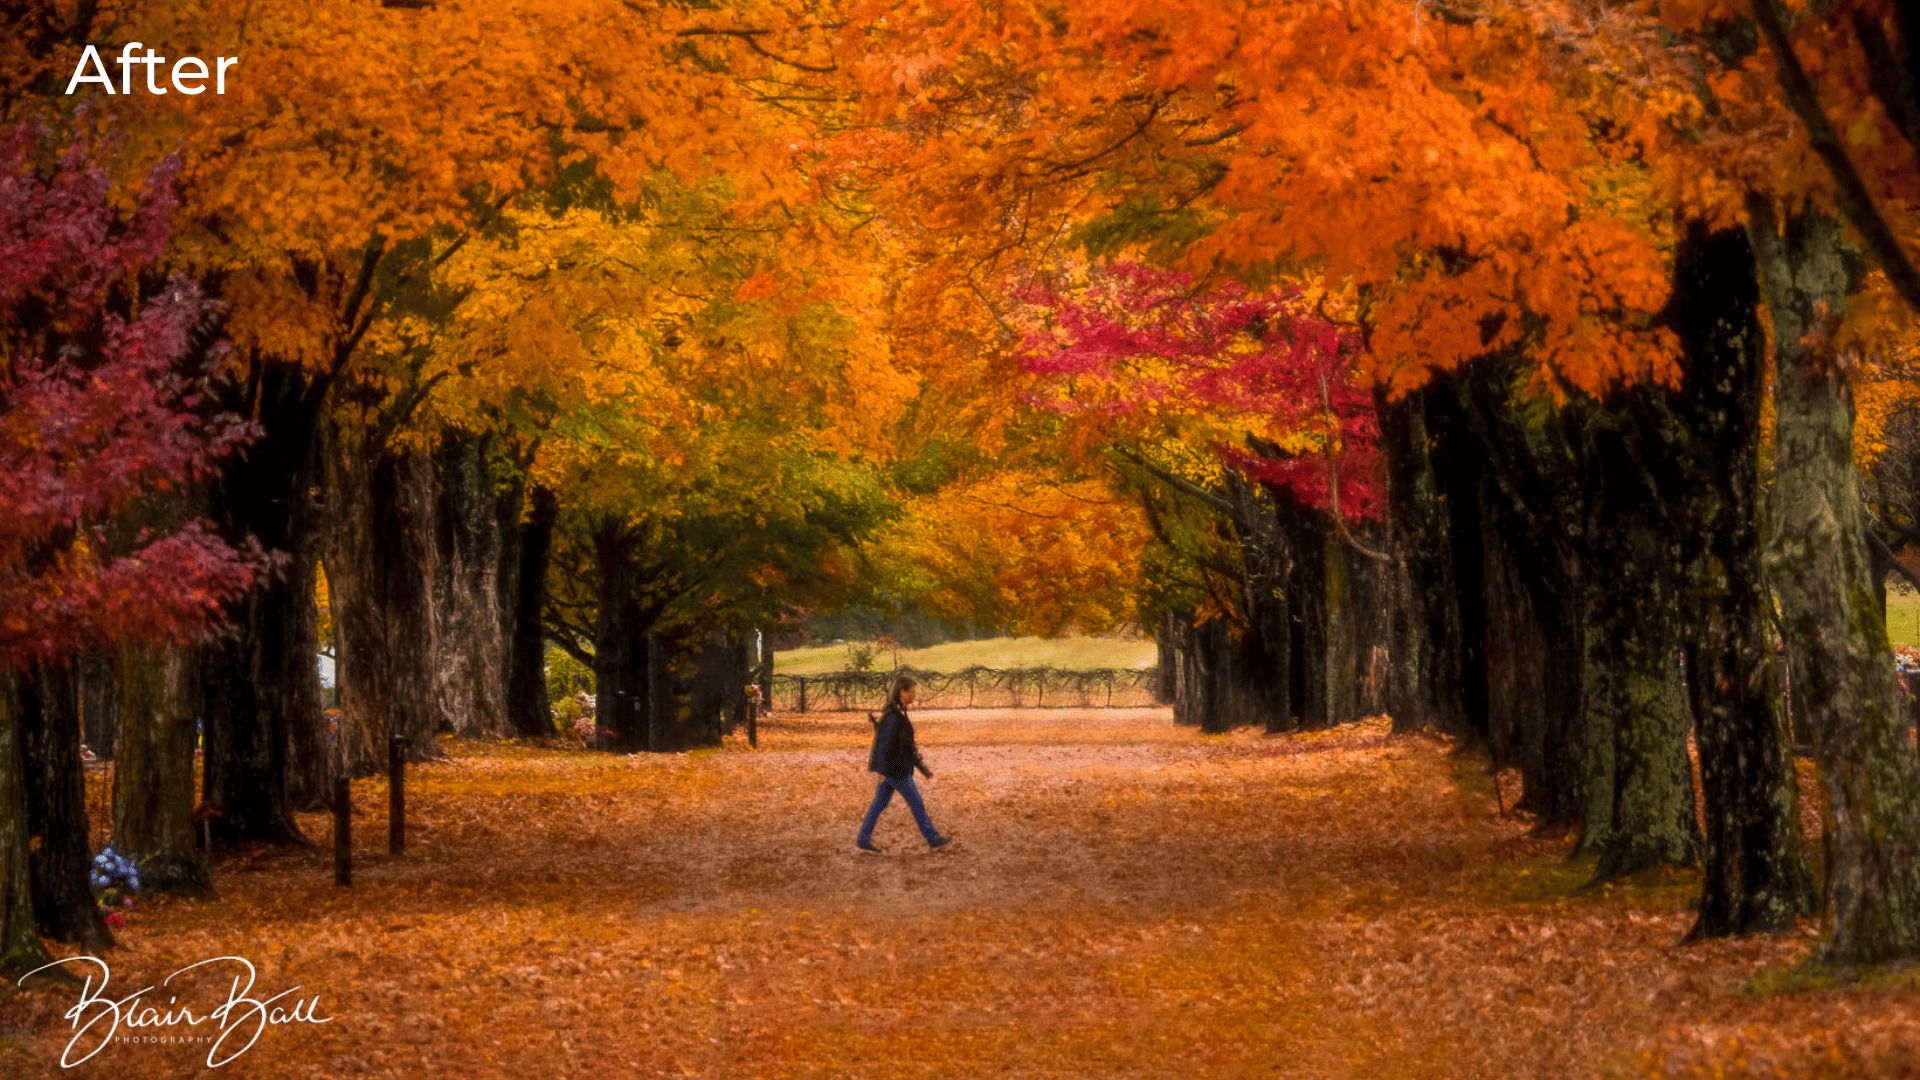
x,y
970,674
1039,688
342,833
803,692
753,724
396,794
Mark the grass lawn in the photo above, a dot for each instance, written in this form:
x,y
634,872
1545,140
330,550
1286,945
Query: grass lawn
x,y
1069,653
1903,616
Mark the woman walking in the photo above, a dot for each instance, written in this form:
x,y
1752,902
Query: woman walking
x,y
894,757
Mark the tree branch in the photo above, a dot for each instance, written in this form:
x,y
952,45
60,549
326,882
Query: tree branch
x,y
1855,200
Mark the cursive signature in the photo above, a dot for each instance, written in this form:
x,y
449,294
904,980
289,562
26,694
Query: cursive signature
x,y
101,1017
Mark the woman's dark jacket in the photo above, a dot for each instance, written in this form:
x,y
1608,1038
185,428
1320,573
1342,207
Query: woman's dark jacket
x,y
894,754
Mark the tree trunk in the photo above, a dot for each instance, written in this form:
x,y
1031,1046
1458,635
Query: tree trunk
x,y
621,671
21,949
527,706
1421,521
99,725
59,851
1843,680
468,658
153,779
1304,535
262,680
1756,876
1637,710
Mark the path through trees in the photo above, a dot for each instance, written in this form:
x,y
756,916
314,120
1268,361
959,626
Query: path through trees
x,y
1129,898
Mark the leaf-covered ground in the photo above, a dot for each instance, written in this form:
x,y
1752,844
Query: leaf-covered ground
x,y
1128,898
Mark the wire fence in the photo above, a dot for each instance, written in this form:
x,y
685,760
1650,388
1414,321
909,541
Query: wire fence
x,y
974,688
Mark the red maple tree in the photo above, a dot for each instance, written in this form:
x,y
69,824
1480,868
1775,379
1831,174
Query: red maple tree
x,y
103,414
1135,338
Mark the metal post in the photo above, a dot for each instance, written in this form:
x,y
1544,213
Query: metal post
x,y
342,833
396,794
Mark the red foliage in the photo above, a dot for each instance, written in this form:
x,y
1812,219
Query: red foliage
x,y
1136,337
103,406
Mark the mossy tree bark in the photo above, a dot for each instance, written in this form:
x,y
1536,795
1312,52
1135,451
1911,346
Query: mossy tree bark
x,y
153,782
1640,717
1843,680
1640,796
1756,875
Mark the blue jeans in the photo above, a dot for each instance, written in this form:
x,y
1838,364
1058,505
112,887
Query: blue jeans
x,y
884,795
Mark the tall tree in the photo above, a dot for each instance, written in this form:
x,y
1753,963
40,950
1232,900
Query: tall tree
x,y
104,410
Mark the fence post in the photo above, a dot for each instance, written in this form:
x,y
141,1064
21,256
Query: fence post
x,y
1039,688
803,692
970,675
342,833
396,794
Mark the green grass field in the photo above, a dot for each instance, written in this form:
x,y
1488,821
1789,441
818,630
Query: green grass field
x,y
1087,653
1070,653
1903,617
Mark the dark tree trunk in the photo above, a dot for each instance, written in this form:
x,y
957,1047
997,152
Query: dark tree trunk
x,y
1165,657
1461,482
62,858
527,682
99,725
1432,668
1263,560
262,681
662,699
718,693
21,949
153,779
415,557
1756,877
1361,653
621,669
378,571
1518,662
468,659
1304,534
1843,680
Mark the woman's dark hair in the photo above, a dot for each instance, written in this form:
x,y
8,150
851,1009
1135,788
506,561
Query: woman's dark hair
x,y
901,682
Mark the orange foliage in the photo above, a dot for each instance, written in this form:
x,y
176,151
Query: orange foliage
x,y
1128,898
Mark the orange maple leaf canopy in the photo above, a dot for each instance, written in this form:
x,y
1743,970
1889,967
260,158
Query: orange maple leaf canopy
x,y
1466,188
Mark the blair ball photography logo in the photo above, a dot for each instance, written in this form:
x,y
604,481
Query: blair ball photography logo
x,y
231,1021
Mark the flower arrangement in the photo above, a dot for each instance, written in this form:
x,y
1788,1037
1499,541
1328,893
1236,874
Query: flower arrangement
x,y
1906,659
116,878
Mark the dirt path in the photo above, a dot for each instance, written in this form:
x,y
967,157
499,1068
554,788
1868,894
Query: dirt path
x,y
1127,899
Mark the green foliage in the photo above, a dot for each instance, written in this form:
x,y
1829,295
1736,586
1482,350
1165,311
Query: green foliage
x,y
566,676
860,655
1140,221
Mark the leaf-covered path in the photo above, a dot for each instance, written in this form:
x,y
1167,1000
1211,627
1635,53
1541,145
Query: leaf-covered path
x,y
1128,898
